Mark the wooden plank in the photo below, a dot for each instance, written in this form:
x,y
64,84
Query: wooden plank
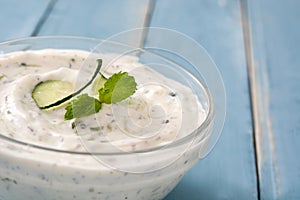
x,y
275,35
94,18
229,170
18,19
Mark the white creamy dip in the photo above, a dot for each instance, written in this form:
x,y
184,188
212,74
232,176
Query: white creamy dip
x,y
160,112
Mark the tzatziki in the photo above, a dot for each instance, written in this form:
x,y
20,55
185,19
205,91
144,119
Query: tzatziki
x,y
101,156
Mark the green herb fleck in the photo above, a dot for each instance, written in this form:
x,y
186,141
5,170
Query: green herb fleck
x,y
117,88
82,106
9,180
5,179
95,128
24,64
73,125
1,77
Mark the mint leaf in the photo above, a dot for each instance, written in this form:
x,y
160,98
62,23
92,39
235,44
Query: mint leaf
x,y
82,106
117,88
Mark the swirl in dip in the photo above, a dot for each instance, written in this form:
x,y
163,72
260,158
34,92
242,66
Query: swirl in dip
x,y
46,157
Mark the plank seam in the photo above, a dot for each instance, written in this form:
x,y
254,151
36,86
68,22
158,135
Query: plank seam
x,y
265,146
250,68
269,181
44,17
147,22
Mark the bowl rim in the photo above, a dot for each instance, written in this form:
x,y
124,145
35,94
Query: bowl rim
x,y
188,138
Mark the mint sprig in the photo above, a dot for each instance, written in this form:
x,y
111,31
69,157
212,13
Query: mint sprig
x,y
117,88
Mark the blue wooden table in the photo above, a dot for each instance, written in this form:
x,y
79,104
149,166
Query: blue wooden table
x,y
256,46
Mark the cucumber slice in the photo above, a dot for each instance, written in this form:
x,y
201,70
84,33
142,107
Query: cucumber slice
x,y
48,92
98,84
42,98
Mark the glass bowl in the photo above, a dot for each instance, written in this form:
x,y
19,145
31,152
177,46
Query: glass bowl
x,y
32,170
